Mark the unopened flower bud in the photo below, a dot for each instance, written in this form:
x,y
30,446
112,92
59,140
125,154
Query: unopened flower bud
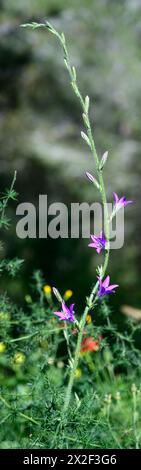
x,y
57,294
103,160
87,103
92,179
86,138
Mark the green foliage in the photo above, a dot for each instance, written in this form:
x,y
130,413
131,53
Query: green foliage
x,y
11,266
10,194
105,407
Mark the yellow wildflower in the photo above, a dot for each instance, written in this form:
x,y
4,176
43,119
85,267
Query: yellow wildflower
x,y
68,293
78,373
47,289
89,319
19,358
2,347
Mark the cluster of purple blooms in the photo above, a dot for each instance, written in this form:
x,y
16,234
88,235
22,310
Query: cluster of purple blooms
x,y
99,244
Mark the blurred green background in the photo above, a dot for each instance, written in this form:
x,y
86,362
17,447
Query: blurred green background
x,y
40,124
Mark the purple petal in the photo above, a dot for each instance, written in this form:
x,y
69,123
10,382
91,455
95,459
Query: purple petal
x,y
71,309
99,250
94,238
57,313
65,309
92,245
100,285
113,286
101,292
98,242
60,314
129,202
102,235
122,202
116,198
106,282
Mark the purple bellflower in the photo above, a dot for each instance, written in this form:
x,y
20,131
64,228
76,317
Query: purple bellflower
x,y
120,202
67,313
99,243
105,288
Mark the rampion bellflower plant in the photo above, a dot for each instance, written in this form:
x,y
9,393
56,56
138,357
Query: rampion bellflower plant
x,y
102,287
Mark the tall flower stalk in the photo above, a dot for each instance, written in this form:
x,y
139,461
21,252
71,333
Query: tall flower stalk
x,y
88,137
101,287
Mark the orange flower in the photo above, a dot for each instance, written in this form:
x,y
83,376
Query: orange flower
x,y
89,344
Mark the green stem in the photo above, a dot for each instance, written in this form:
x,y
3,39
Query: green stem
x,y
28,418
66,336
135,419
110,427
22,338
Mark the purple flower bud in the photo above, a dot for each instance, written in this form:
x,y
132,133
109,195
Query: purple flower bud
x,y
92,179
103,160
57,294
